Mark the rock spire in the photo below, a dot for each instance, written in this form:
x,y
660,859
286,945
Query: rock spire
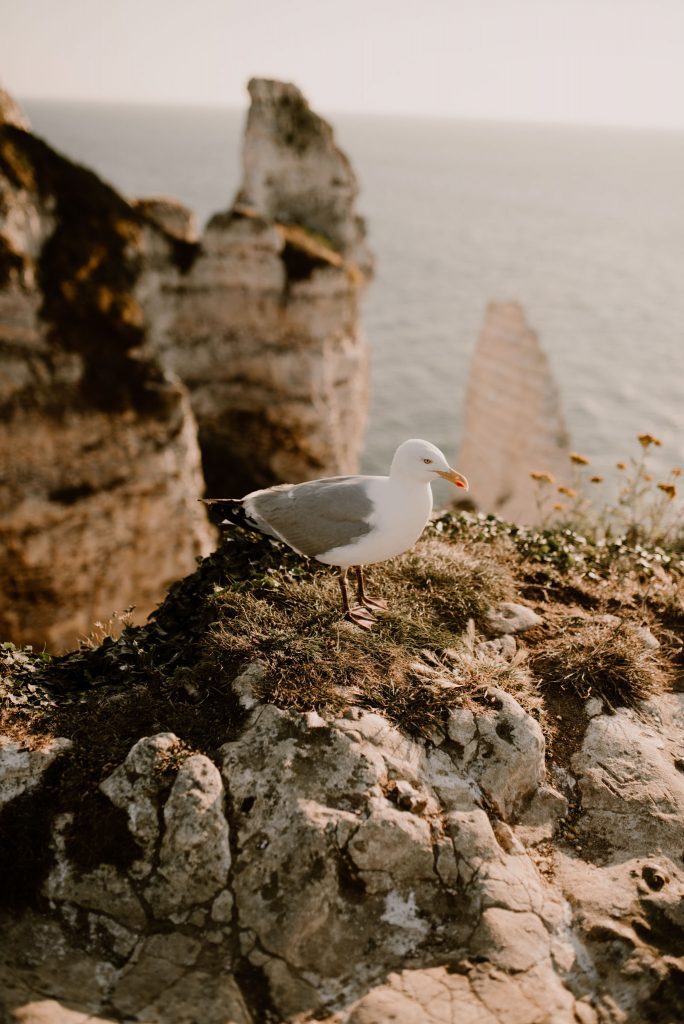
x,y
513,420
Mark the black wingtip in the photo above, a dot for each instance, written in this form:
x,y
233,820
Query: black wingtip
x,y
226,512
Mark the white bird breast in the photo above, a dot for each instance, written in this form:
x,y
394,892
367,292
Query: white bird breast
x,y
401,512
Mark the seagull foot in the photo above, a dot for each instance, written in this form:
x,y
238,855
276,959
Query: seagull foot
x,y
375,604
361,617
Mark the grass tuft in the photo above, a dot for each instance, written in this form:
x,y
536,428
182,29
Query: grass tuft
x,y
598,660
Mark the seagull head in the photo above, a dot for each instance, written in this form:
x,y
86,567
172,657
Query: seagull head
x,y
421,461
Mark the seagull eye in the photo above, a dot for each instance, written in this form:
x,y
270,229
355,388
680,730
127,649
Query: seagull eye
x,y
428,462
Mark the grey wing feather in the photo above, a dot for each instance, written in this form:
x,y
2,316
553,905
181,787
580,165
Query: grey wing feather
x,y
313,517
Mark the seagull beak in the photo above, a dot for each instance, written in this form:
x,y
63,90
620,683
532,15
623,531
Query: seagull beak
x,y
453,477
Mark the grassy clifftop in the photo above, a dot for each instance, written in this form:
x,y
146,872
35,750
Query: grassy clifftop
x,y
253,599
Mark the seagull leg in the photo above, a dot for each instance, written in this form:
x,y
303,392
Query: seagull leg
x,y
359,615
375,604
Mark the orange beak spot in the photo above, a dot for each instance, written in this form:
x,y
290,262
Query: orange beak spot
x,y
453,477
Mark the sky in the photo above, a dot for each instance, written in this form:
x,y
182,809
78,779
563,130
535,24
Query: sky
x,y
584,61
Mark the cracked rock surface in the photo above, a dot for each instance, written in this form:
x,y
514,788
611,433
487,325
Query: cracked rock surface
x,y
336,869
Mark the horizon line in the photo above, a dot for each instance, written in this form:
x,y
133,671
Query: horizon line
x,y
330,113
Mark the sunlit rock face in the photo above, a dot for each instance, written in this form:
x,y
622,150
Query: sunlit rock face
x,y
121,333
267,335
337,869
100,463
513,419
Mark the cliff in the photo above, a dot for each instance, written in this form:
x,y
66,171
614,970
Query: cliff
x,y
130,347
248,811
267,335
101,466
513,422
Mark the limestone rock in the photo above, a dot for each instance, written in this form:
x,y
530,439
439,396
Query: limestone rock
x,y
632,790
194,857
539,819
372,878
293,171
170,215
512,941
267,334
511,618
513,421
22,767
136,787
101,466
509,766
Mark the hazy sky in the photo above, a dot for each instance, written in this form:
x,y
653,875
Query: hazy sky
x,y
592,61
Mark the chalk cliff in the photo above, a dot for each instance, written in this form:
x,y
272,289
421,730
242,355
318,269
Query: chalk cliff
x,y
122,333
100,463
267,335
513,418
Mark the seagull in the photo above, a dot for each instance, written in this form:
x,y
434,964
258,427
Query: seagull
x,y
350,521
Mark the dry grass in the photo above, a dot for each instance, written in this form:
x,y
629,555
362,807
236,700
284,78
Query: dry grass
x,y
593,659
315,659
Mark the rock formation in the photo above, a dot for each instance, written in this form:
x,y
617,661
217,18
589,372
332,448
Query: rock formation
x,y
106,306
513,418
337,868
327,865
267,336
101,468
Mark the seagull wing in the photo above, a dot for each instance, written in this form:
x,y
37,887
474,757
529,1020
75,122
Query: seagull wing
x,y
316,516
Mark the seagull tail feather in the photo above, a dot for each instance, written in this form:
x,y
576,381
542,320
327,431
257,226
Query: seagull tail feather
x,y
227,511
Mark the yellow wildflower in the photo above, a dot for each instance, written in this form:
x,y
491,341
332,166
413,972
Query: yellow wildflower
x,y
620,465
668,489
568,491
558,507
648,439
596,479
543,478
579,460
647,477
677,472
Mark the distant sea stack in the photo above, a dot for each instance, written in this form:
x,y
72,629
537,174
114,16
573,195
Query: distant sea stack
x,y
267,335
513,419
100,462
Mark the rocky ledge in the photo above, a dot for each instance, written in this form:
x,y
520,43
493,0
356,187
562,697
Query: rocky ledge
x,y
248,811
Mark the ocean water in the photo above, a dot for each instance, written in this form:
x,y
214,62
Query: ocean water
x,y
583,226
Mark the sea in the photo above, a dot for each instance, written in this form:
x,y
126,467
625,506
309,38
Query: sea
x,y
584,226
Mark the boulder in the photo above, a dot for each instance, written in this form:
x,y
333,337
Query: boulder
x,y
22,767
